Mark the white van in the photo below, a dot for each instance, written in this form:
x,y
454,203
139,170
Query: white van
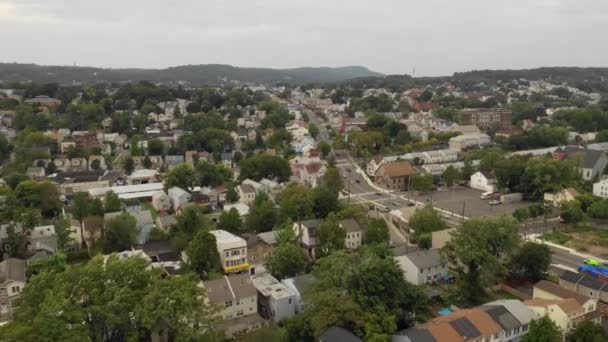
x,y
486,195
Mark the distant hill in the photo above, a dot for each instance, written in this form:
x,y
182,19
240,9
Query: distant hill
x,y
567,74
196,74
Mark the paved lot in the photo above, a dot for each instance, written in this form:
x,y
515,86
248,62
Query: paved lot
x,y
465,199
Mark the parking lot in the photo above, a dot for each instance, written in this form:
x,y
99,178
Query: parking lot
x,y
462,199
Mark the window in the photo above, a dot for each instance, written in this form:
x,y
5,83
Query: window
x,y
289,300
228,303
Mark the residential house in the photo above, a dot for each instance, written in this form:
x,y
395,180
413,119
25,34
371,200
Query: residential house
x,y
247,194
306,231
467,141
311,173
143,220
241,208
238,300
422,267
85,140
275,300
161,202
259,247
232,250
585,285
591,163
43,238
227,159
298,285
498,321
484,181
560,197
179,197
564,307
12,281
271,188
62,164
354,233
394,175
600,189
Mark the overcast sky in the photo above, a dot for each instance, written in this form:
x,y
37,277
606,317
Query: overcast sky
x,y
437,37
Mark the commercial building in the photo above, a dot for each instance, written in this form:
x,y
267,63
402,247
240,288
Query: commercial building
x,y
232,250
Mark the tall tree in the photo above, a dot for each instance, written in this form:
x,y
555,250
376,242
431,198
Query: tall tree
x,y
543,330
119,233
532,261
230,221
112,202
331,235
475,252
287,260
587,331
325,201
296,203
262,215
424,222
203,256
181,176
112,299
376,232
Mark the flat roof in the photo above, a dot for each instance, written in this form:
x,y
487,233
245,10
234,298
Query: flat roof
x,y
226,237
126,189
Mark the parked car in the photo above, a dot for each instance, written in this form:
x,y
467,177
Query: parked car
x,y
494,202
592,262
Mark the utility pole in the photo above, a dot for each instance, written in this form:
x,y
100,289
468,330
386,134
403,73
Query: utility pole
x,y
349,193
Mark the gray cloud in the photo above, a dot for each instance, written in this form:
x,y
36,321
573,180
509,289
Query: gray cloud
x,y
438,37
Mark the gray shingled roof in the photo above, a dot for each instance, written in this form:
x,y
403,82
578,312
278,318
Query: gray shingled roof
x,y
503,317
413,335
591,283
589,157
350,225
571,277
337,334
425,258
12,269
221,290
465,328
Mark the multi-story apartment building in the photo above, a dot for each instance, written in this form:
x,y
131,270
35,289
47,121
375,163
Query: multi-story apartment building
x,y
232,250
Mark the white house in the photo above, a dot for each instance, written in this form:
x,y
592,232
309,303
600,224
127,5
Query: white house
x,y
422,267
600,189
12,281
298,285
246,194
483,181
374,165
275,300
43,238
465,141
560,197
232,250
179,197
354,233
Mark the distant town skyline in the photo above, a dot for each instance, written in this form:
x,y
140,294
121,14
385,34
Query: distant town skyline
x,y
437,37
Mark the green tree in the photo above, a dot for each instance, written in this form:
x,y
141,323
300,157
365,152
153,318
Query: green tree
x,y
532,261
324,147
147,163
261,166
119,233
189,223
262,215
111,299
475,252
128,164
313,130
331,235
232,195
376,232
324,201
571,212
287,260
422,182
96,164
209,174
63,231
587,331
111,202
14,179
332,180
181,176
156,147
230,221
296,203
203,257
450,175
543,330
424,222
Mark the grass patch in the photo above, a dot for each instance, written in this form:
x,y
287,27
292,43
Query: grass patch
x,y
557,237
